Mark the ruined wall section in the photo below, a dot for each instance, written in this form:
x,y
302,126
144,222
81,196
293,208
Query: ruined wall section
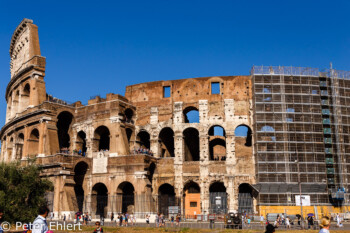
x,y
229,109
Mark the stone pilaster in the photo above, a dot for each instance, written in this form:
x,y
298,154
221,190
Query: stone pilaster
x,y
178,115
203,111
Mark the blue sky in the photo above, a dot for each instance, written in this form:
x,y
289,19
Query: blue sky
x,y
98,47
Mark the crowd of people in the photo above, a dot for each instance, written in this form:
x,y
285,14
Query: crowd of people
x,y
141,150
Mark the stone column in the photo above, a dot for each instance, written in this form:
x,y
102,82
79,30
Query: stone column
x,y
154,146
230,152
178,161
178,117
203,111
204,197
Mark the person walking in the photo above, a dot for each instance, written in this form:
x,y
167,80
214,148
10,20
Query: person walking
x,y
112,217
262,220
325,224
287,222
147,219
40,224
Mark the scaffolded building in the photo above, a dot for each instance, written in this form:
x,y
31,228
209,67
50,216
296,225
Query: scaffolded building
x,y
301,124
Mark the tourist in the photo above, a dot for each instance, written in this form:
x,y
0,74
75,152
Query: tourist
x,y
126,218
270,229
134,219
287,222
121,220
157,220
131,217
40,224
262,220
283,221
325,224
310,221
98,229
147,219
172,220
112,217
64,217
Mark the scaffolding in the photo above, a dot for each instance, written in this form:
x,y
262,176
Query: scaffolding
x,y
301,113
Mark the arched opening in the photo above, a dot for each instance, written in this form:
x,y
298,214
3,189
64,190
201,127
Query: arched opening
x,y
99,199
25,97
244,131
218,198
33,141
80,171
192,199
143,139
10,148
19,146
81,143
63,127
245,198
166,142
166,198
9,107
217,143
129,113
191,115
126,194
15,103
191,143
101,139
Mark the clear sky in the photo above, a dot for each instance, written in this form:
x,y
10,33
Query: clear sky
x,y
98,47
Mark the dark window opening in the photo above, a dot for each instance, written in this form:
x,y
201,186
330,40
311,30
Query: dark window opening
x,y
166,142
166,92
81,143
215,88
102,138
193,204
143,139
191,137
63,127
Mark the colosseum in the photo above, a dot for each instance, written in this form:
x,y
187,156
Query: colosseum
x,y
194,146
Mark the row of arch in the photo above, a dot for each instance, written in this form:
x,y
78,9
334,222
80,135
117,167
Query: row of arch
x,y
217,142
125,196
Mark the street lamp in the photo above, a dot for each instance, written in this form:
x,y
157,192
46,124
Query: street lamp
x,y
300,198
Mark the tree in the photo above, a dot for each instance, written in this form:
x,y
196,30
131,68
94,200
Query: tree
x,y
22,191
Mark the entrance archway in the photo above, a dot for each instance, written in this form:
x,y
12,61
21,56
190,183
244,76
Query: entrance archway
x,y
126,194
245,198
99,199
166,198
79,175
192,198
218,198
